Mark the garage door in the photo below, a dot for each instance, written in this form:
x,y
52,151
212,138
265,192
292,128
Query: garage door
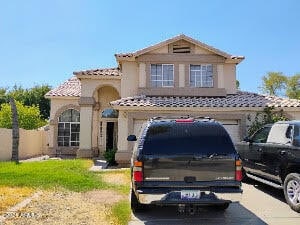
x,y
232,127
137,125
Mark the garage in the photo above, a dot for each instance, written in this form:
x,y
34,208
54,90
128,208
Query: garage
x,y
232,127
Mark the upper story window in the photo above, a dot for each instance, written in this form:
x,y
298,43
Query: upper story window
x,y
69,128
162,75
201,75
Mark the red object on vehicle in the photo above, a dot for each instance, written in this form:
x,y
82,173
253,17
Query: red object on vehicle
x,y
238,170
138,175
184,121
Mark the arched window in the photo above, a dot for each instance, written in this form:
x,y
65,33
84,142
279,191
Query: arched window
x,y
110,113
69,128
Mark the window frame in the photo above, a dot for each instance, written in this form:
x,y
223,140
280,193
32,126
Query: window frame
x,y
68,124
162,76
201,75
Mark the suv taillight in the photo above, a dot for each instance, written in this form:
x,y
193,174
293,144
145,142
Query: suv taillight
x,y
138,175
238,170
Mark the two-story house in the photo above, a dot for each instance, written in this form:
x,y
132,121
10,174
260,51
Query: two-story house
x,y
97,109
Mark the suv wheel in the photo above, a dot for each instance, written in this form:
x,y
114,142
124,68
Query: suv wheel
x,y
292,191
135,205
222,206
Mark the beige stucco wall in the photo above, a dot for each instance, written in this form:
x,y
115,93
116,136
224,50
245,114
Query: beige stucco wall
x,y
161,50
199,50
57,103
31,143
6,144
90,86
130,79
229,79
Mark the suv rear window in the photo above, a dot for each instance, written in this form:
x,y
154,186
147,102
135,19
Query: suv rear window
x,y
187,138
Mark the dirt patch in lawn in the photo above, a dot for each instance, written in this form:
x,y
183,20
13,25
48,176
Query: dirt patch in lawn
x,y
115,178
65,207
10,196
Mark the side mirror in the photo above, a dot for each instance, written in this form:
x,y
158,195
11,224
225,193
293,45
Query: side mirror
x,y
247,139
131,138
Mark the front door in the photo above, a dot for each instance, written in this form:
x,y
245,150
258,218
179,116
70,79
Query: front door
x,y
108,132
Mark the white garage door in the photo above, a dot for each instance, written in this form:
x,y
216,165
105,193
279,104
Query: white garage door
x,y
233,128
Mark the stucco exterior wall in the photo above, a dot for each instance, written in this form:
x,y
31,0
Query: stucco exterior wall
x,y
229,73
56,104
199,50
31,143
89,86
130,79
161,50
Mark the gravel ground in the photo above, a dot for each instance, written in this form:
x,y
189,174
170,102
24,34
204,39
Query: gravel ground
x,y
65,207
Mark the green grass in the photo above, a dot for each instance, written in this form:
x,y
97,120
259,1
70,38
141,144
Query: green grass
x,y
70,174
121,212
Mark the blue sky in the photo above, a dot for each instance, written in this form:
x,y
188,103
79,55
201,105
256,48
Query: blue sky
x,y
43,42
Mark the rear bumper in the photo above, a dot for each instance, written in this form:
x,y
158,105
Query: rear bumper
x,y
147,196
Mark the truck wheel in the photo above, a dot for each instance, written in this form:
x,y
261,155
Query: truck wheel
x,y
135,205
292,191
245,178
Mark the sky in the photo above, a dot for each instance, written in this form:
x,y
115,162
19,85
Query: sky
x,y
44,42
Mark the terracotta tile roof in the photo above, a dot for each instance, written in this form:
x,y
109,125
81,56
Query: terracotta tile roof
x,y
100,72
241,99
70,88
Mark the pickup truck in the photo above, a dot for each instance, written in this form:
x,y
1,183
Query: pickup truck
x,y
184,161
272,156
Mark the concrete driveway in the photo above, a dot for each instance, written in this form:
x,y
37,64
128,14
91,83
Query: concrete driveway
x,y
260,204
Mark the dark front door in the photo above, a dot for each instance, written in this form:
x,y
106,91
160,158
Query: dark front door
x,y
110,135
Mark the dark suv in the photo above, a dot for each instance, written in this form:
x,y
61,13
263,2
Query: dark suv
x,y
186,162
272,156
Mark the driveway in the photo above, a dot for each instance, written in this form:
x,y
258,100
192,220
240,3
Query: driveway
x,y
260,204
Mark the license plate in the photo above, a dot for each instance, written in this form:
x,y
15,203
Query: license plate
x,y
190,194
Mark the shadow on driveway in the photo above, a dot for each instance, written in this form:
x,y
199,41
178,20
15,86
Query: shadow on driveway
x,y
235,214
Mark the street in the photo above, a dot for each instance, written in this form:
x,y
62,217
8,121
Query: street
x,y
260,204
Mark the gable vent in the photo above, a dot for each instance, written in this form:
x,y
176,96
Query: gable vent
x,y
181,48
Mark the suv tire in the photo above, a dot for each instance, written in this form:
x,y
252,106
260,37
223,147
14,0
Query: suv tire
x,y
291,189
135,205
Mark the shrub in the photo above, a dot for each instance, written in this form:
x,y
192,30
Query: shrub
x,y
109,155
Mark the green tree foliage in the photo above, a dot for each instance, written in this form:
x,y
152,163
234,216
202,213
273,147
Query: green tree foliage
x,y
28,116
29,97
268,115
293,87
3,97
274,83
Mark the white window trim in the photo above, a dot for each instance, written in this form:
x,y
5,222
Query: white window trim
x,y
162,80
195,86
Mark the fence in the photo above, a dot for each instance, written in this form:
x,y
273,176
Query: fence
x,y
31,143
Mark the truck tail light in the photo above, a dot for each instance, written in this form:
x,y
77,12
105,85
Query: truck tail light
x,y
238,170
138,175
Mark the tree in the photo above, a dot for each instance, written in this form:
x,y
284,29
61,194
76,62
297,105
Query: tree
x,y
15,131
28,116
3,97
293,87
268,115
274,83
32,96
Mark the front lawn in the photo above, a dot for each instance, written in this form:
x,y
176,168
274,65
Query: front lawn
x,y
71,175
